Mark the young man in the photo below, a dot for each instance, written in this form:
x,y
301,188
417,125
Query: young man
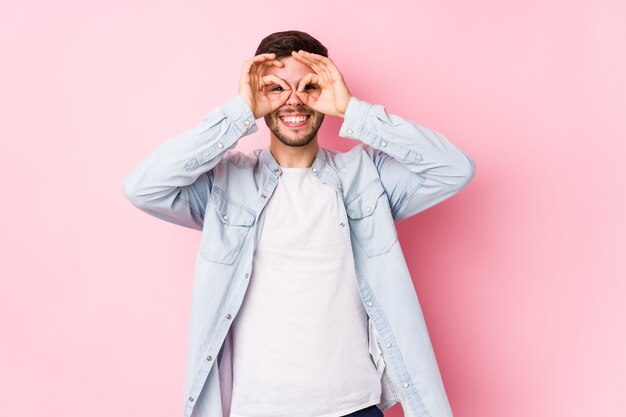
x,y
330,324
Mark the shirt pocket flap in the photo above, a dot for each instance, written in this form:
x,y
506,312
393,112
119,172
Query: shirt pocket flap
x,y
365,203
231,213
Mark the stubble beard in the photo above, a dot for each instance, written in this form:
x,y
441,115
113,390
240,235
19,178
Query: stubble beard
x,y
275,126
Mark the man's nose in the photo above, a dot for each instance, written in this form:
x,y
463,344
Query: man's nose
x,y
293,99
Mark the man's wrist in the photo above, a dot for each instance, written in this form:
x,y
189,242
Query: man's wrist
x,y
342,112
355,115
248,104
239,111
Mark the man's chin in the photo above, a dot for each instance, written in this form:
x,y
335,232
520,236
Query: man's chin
x,y
294,141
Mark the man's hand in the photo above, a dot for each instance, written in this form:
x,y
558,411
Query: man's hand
x,y
252,82
335,95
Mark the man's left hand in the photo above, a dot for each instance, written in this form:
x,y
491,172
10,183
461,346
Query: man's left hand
x,y
334,98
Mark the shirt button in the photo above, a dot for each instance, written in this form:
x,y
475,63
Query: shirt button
x,y
209,358
220,145
406,385
247,275
228,316
349,131
190,398
314,169
368,209
370,304
342,224
263,196
247,122
339,186
383,144
388,344
225,217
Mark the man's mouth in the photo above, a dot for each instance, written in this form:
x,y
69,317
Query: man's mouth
x,y
295,120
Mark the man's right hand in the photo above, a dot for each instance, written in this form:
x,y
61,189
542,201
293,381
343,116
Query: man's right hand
x,y
252,83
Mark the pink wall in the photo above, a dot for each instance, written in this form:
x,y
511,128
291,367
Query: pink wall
x,y
518,275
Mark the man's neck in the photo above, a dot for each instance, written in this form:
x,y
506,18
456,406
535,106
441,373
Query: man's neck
x,y
294,156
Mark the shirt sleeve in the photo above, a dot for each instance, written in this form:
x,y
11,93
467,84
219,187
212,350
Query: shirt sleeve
x,y
174,182
418,167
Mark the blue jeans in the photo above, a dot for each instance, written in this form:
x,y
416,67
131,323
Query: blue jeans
x,y
371,411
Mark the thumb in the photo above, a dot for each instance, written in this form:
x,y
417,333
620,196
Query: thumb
x,y
279,100
282,98
306,98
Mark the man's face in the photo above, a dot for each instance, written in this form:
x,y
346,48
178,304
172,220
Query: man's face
x,y
294,123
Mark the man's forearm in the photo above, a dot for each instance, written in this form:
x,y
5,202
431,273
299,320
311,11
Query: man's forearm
x,y
417,166
420,149
162,184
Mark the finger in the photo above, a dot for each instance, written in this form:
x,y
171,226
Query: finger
x,y
307,79
263,57
317,66
320,71
246,68
261,66
274,79
258,58
282,99
302,58
277,100
324,77
267,62
315,57
258,69
249,69
321,60
274,62
312,57
306,99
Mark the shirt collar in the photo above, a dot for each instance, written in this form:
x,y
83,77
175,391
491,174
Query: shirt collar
x,y
317,167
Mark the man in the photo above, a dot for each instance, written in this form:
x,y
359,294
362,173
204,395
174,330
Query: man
x,y
330,324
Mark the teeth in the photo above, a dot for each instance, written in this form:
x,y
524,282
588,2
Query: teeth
x,y
294,119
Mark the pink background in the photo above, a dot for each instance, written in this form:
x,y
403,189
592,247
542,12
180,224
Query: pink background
x,y
521,275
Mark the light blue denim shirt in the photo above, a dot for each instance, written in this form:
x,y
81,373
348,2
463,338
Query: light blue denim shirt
x,y
197,180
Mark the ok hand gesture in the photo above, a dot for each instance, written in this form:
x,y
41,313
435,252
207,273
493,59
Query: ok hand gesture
x,y
335,95
252,82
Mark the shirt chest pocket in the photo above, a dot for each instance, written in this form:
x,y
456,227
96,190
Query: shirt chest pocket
x,y
227,225
371,221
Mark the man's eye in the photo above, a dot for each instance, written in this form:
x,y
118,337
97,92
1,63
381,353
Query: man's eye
x,y
277,88
310,86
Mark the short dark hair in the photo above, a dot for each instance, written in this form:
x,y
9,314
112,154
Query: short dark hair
x,y
282,43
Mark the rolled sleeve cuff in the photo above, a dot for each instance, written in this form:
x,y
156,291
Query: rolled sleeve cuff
x,y
354,119
237,110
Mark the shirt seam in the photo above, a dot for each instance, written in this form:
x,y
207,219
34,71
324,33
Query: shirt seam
x,y
188,204
413,192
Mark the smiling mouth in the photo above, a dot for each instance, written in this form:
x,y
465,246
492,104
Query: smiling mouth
x,y
295,121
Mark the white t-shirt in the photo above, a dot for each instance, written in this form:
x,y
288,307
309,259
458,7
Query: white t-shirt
x,y
300,345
